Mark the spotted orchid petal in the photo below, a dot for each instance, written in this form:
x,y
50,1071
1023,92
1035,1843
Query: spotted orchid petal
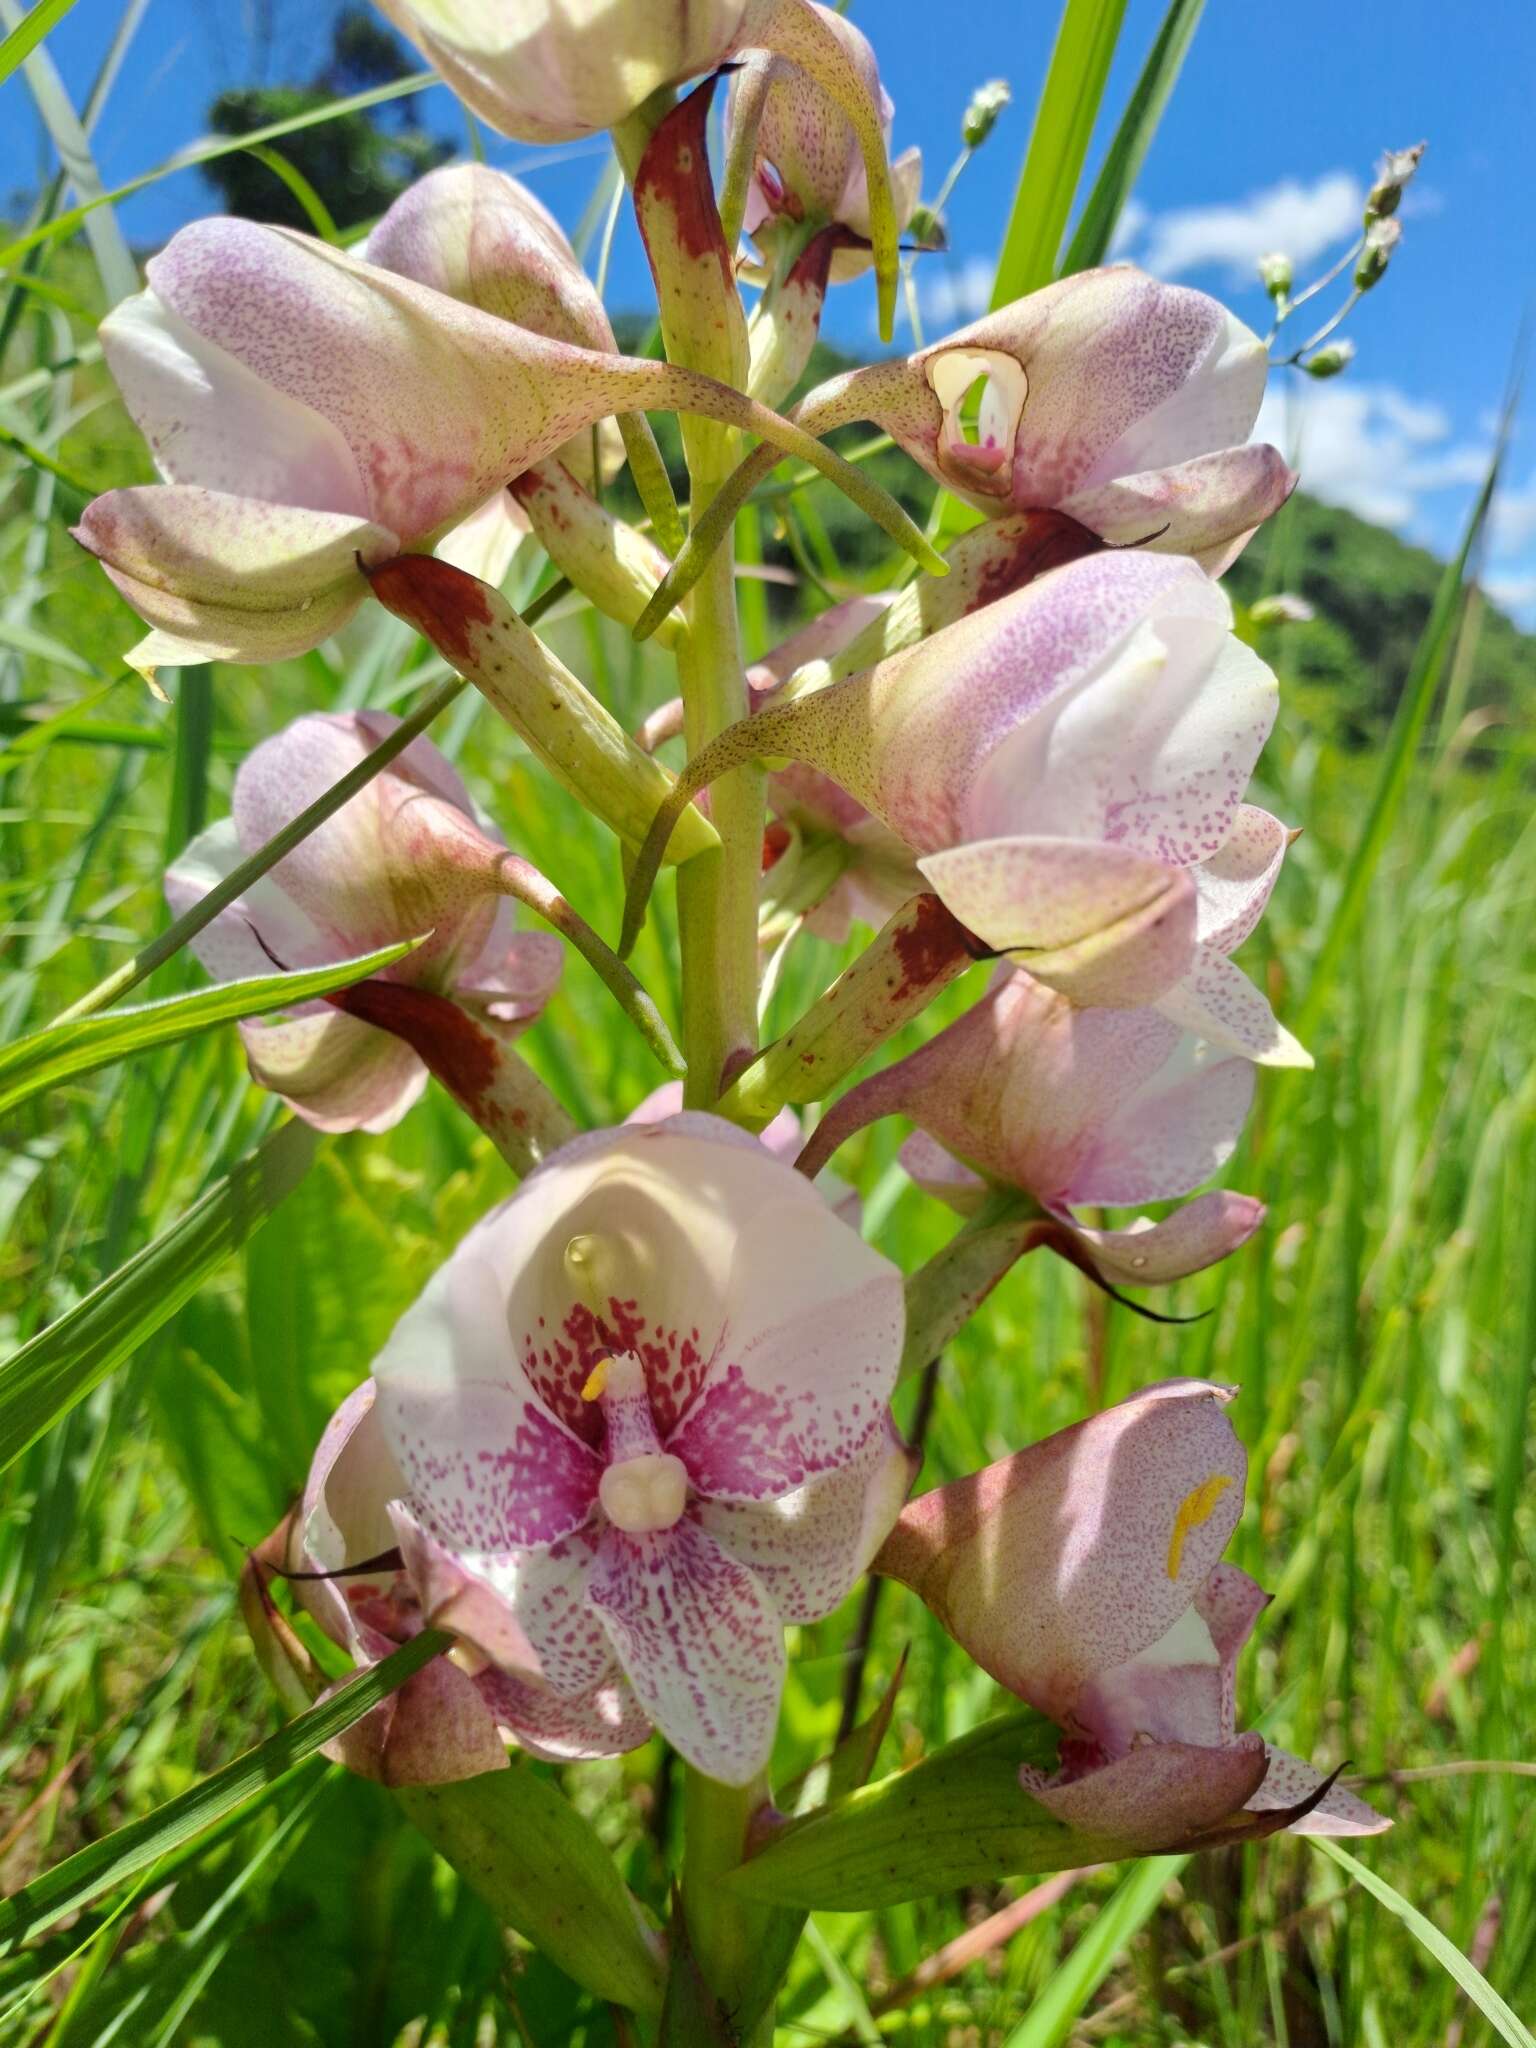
x,y
224,578
700,1641
1102,923
1289,1780
1157,1796
809,1547
1200,1234
338,1072
1076,1555
1218,1002
1210,504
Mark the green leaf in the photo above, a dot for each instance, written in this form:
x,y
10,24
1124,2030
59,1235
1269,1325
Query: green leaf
x,y
29,32
958,1818
543,1870
1400,753
61,1051
205,152
1058,145
1505,2023
97,1868
46,1377
1133,138
1064,1996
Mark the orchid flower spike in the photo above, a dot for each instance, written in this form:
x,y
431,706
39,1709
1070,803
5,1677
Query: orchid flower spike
x,y
1084,1574
1119,403
563,69
1074,1108
642,1411
315,415
452,1718
1068,766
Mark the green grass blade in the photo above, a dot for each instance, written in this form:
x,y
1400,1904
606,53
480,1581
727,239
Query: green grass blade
x,y
63,1051
1072,1984
1058,144
58,1367
1133,138
115,266
205,152
29,32
1398,757
1505,2023
97,1868
315,208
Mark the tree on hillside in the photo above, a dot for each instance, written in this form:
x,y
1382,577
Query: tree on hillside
x,y
357,163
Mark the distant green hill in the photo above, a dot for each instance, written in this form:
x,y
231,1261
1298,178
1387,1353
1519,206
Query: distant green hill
x,y
1372,595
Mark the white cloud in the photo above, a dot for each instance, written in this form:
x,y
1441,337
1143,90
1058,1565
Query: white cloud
x,y
1369,447
1514,520
1515,594
1302,220
957,292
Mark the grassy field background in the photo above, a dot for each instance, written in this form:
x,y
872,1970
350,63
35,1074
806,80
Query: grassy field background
x,y
1382,1328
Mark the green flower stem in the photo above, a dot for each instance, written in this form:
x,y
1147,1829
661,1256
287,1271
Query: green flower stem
x,y
718,892
725,1929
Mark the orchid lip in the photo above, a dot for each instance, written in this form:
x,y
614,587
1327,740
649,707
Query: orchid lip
x,y
987,462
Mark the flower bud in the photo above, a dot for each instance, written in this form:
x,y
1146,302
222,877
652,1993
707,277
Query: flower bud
x,y
981,116
1381,238
1397,166
1285,608
1328,362
1275,274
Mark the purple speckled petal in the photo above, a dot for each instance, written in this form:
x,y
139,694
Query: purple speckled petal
x,y
1229,1603
1103,924
1158,1796
1196,1236
488,1467
1289,1780
603,1722
1191,508
1153,751
1169,1692
1171,1133
338,1073
232,578
700,1641
813,1341
402,858
261,929
343,1517
1217,1002
938,1172
524,1610
209,421
809,1547
1075,1555
1234,885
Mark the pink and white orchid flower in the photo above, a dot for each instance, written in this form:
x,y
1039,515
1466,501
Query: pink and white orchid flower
x,y
407,857
1068,764
1075,1108
1085,1575
643,1406
808,168
557,70
1123,403
448,1720
313,416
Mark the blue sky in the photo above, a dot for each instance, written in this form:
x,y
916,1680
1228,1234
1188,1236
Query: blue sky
x,y
1269,142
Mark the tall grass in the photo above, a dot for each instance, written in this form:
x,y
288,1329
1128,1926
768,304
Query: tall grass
x,y
1382,1328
